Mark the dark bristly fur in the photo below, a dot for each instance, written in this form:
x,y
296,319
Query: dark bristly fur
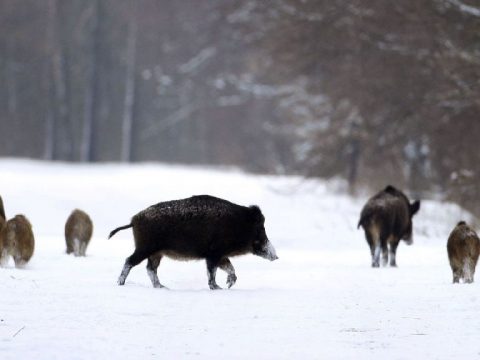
x,y
19,241
463,247
199,227
78,232
386,218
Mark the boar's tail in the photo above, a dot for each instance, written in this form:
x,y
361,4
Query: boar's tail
x,y
360,223
118,229
364,219
2,210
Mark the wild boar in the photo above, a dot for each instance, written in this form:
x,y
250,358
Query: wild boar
x,y
78,232
199,227
386,218
463,247
19,241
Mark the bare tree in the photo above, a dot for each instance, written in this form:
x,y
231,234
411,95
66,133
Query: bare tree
x,y
129,101
92,88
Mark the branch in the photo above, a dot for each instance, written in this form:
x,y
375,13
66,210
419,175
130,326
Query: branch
x,y
471,10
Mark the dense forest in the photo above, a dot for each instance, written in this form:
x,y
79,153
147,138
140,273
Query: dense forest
x,y
372,92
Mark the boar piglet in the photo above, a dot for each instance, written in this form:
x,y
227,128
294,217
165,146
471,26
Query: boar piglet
x,y
19,241
78,232
463,247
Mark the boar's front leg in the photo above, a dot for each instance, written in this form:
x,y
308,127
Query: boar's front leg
x,y
212,266
152,266
227,266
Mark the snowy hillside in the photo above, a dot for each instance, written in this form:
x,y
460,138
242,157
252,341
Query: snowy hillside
x,y
320,300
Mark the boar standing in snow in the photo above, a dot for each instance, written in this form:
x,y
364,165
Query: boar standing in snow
x,y
19,241
78,232
386,218
200,227
463,248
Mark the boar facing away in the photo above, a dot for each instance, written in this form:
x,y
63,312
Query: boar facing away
x,y
386,219
78,232
463,247
18,241
199,227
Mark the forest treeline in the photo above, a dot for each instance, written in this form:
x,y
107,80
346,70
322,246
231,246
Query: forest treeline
x,y
373,92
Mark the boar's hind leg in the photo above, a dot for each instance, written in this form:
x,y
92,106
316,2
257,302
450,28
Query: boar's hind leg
x,y
374,245
3,257
227,266
83,248
212,266
393,252
468,270
136,258
19,262
457,273
69,247
152,266
384,254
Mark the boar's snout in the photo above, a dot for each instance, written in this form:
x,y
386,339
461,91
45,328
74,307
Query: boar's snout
x,y
268,252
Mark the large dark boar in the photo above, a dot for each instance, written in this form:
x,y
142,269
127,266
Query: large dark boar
x,y
387,218
78,232
19,241
463,248
200,227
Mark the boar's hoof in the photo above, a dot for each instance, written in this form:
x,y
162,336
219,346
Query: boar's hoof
x,y
214,286
159,286
375,265
231,279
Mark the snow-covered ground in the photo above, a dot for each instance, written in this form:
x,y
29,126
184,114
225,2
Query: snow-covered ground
x,y
320,300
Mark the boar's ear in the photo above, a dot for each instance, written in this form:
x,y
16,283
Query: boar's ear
x,y
460,223
414,207
257,215
390,189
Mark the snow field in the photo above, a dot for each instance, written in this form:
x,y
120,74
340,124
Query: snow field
x,y
320,300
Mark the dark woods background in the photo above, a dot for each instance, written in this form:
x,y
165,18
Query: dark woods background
x,y
374,92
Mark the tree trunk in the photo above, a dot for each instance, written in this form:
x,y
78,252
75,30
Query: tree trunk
x,y
92,89
63,146
353,164
11,81
129,101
